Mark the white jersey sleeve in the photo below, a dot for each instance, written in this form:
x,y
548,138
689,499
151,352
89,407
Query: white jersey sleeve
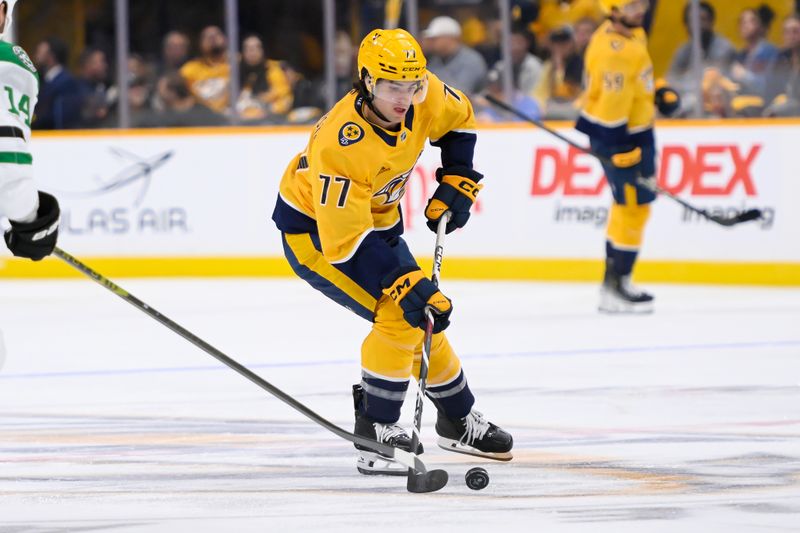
x,y
19,87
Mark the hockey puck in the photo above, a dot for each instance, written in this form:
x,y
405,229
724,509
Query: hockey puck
x,y
477,478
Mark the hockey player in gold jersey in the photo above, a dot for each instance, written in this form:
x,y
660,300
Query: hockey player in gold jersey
x,y
617,115
339,211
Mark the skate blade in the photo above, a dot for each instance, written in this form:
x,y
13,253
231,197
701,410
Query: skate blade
x,y
627,309
455,446
374,464
614,306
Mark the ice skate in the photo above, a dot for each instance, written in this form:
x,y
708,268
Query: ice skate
x,y
474,435
373,463
618,295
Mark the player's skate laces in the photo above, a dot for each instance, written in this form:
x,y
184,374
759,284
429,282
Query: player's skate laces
x,y
474,435
391,434
370,462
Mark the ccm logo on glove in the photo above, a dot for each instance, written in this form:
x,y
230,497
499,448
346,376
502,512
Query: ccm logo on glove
x,y
410,289
458,188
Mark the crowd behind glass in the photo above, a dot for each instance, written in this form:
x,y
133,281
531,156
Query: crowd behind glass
x,y
188,82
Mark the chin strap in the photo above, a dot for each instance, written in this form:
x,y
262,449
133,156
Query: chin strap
x,y
361,87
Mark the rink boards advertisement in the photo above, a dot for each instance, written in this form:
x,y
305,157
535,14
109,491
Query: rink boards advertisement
x,y
202,200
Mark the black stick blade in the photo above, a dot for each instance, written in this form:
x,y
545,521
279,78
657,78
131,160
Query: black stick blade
x,y
750,214
744,216
430,481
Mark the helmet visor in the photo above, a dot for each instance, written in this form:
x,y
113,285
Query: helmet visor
x,y
400,93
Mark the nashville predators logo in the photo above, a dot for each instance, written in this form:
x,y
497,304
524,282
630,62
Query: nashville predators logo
x,y
350,133
394,190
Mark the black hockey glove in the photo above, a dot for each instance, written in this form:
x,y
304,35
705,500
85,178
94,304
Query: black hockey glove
x,y
36,240
413,292
667,99
457,190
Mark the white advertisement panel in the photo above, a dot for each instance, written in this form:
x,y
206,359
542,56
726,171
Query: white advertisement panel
x,y
212,194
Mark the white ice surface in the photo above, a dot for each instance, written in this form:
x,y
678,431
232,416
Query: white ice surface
x,y
687,420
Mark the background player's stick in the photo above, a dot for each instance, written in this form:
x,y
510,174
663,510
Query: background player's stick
x,y
744,216
416,480
428,481
392,10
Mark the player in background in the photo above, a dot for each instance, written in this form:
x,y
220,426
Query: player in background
x,y
33,215
339,212
617,114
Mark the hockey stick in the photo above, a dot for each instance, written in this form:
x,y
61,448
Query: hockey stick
x,y
744,216
417,481
428,481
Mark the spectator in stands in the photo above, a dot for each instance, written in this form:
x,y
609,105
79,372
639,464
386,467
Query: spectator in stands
x,y
265,91
584,29
554,14
181,108
59,98
97,97
175,50
489,49
718,93
140,95
562,75
754,63
308,97
344,63
450,59
139,69
718,52
208,76
141,88
527,67
525,12
785,82
485,112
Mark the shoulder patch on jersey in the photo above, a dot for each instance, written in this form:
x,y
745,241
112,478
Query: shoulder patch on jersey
x,y
350,133
15,54
23,57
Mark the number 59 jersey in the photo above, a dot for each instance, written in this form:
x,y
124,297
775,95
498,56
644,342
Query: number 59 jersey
x,y
347,184
618,106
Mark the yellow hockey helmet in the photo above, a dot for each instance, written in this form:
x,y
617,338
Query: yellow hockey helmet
x,y
609,5
396,57
391,55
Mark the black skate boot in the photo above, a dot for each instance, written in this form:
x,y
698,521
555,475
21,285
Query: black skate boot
x,y
371,462
474,435
618,295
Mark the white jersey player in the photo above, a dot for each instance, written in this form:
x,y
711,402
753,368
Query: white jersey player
x,y
33,215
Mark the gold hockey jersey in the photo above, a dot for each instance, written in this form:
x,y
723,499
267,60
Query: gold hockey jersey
x,y
618,103
346,186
